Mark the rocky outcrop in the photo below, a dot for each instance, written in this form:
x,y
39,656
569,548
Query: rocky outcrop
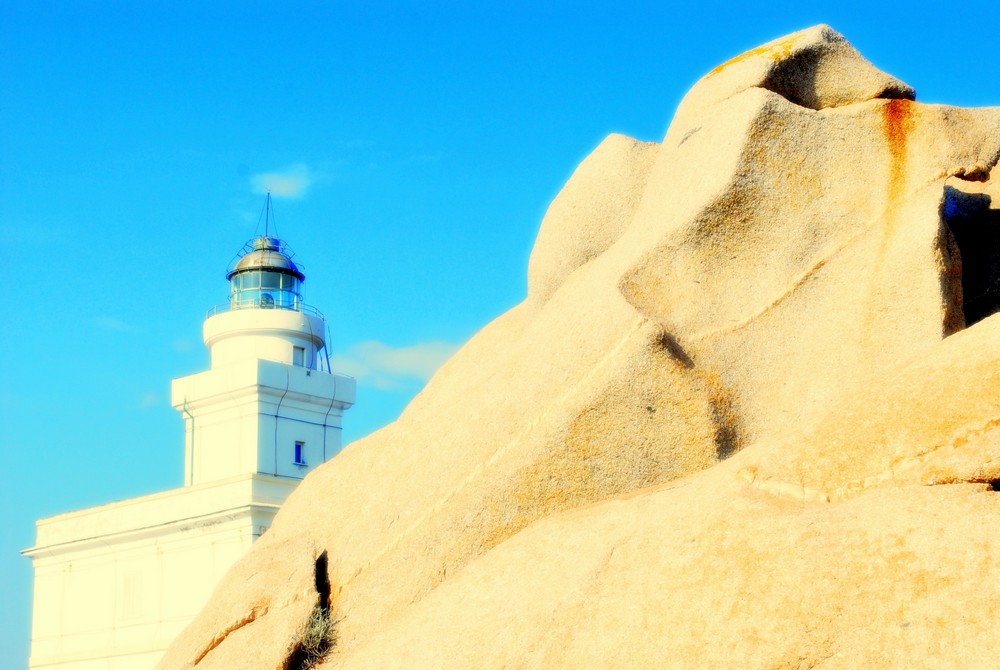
x,y
746,416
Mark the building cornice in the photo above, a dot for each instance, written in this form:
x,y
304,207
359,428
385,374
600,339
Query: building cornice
x,y
159,513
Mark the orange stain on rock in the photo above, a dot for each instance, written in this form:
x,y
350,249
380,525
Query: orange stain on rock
x,y
897,122
897,125
777,51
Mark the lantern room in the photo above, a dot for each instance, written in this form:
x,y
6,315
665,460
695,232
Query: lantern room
x,y
265,278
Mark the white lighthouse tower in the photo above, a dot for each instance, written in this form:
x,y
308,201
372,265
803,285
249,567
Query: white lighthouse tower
x,y
268,405
115,584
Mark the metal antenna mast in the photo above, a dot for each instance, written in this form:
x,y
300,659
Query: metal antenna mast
x,y
267,215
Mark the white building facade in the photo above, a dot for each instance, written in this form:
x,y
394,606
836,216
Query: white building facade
x,y
115,584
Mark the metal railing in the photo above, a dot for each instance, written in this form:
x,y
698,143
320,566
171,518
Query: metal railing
x,y
261,304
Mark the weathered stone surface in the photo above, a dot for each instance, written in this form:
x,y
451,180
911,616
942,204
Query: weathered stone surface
x,y
746,416
592,211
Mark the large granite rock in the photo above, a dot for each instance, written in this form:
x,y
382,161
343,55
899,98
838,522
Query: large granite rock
x,y
746,416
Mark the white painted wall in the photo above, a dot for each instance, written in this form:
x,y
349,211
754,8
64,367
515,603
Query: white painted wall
x,y
115,584
270,334
246,416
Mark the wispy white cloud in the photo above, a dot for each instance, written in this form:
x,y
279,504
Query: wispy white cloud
x,y
111,323
389,368
149,399
292,182
182,344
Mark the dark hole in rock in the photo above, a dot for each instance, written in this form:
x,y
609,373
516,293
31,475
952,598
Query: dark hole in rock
x,y
323,581
317,636
995,484
975,227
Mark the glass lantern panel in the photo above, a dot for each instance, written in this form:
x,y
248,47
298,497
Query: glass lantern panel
x,y
270,280
264,290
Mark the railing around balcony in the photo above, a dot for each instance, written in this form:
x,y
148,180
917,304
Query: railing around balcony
x,y
263,303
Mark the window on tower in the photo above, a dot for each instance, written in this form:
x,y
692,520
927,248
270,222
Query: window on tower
x,y
299,455
298,356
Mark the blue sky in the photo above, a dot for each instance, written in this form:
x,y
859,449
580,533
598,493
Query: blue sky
x,y
412,149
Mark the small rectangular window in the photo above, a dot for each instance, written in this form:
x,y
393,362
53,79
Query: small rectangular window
x,y
298,356
299,455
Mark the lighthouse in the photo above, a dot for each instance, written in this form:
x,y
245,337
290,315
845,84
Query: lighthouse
x,y
115,584
269,404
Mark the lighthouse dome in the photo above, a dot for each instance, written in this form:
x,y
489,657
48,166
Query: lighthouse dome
x,y
267,254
